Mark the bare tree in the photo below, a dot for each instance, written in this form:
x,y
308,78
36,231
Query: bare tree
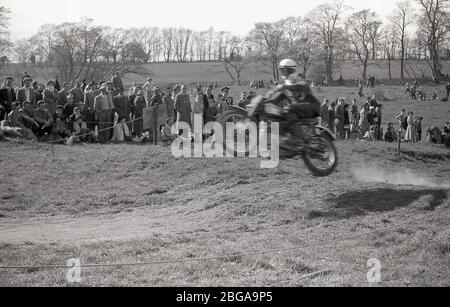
x,y
326,22
167,40
5,42
270,36
435,25
301,44
389,39
359,27
401,19
236,62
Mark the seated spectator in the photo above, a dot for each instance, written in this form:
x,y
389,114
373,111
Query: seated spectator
x,y
59,125
434,135
80,132
44,120
121,132
391,134
167,137
16,119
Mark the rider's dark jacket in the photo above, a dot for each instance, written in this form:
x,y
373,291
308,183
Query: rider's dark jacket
x,y
298,97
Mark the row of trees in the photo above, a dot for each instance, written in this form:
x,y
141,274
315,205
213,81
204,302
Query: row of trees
x,y
333,32
318,41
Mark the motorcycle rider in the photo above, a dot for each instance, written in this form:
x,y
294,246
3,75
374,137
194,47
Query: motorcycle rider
x,y
301,105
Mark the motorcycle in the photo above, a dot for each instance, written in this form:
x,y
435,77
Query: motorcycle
x,y
313,143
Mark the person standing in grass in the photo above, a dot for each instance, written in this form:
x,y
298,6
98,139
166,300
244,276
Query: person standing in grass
x,y
418,123
103,110
183,107
411,131
447,88
139,105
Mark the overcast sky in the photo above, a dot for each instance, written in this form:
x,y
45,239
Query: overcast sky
x,y
237,16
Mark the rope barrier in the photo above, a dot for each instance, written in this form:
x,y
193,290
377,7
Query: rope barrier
x,y
185,260
101,130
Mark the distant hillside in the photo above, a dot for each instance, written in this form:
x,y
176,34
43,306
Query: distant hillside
x,y
214,71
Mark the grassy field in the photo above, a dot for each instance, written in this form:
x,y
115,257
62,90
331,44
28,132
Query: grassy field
x,y
127,204
192,73
132,203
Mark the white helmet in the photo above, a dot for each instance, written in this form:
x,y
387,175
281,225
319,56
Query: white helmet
x,y
287,68
288,63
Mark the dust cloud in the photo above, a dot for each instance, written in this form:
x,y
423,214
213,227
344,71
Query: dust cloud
x,y
377,174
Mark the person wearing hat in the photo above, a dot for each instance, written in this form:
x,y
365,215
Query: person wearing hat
x,y
7,97
156,98
226,97
138,111
103,110
51,97
26,93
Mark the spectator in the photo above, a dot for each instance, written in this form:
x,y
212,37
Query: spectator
x,y
57,84
51,97
324,115
354,112
89,100
373,101
167,99
77,93
26,93
80,131
361,89
103,111
226,97
117,82
364,125
121,131
340,119
183,107
59,125
122,106
379,121
434,135
213,109
346,123
411,132
332,117
243,101
391,135
68,108
24,77
447,88
44,119
206,102
16,120
139,106
147,89
39,91
418,123
156,99
7,97
63,94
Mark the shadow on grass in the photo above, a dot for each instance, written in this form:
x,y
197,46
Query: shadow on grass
x,y
358,203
